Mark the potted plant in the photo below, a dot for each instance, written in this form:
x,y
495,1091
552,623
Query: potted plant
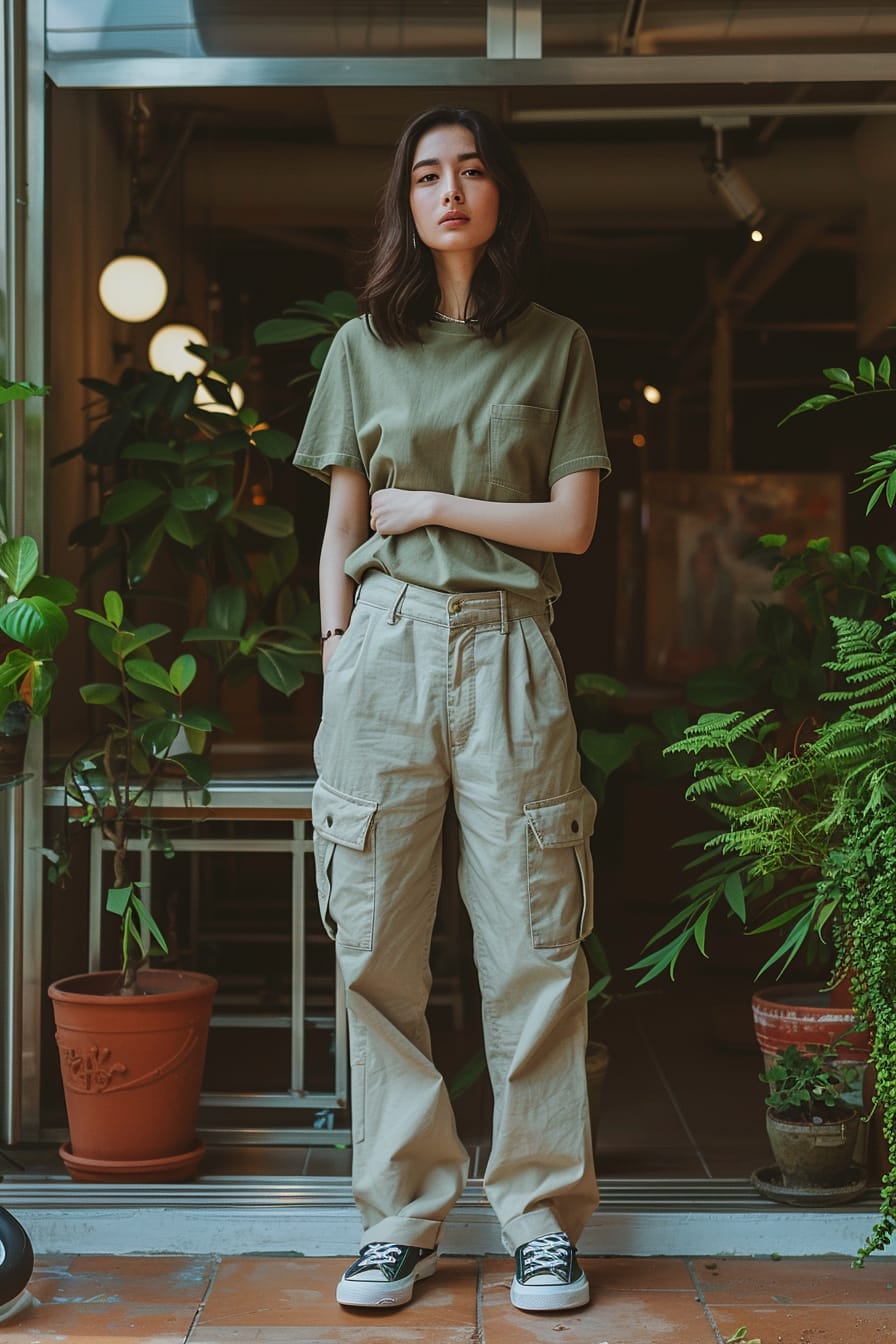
x,y
804,840
132,1042
811,1129
32,625
187,478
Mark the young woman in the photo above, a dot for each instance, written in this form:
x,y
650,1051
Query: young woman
x,y
458,425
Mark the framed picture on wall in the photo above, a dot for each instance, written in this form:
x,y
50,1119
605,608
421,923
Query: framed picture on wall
x,y
704,571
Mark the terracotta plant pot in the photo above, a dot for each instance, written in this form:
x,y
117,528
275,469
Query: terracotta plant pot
x,y
810,1154
804,1015
132,1073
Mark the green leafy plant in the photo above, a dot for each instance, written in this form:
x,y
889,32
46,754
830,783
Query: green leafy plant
x,y
150,729
32,625
807,1086
189,484
309,320
804,835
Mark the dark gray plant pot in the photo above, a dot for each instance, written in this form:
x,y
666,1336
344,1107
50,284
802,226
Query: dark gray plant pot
x,y
14,723
813,1155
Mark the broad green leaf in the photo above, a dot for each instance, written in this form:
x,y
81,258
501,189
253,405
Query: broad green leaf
x,y
194,497
320,352
268,519
20,391
148,673
129,641
278,330
182,672
184,397
280,671
773,540
883,370
117,899
838,376
59,591
19,560
274,443
227,610
147,919
598,683
113,607
43,679
157,735
866,371
194,718
99,693
341,304
142,554
35,622
128,499
887,556
609,751
196,768
187,528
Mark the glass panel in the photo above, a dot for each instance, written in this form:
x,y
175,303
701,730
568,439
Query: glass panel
x,y
130,28
670,27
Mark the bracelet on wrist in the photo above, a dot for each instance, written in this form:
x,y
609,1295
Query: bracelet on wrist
x,y
330,634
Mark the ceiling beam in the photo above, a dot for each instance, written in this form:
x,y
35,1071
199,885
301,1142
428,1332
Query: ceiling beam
x,y
470,72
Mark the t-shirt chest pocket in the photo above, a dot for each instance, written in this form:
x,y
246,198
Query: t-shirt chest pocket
x,y
520,439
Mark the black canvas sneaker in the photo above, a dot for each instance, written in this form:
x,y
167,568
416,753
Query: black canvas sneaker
x,y
548,1276
384,1275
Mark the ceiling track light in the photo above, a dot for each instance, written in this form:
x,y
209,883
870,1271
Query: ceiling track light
x,y
729,183
133,287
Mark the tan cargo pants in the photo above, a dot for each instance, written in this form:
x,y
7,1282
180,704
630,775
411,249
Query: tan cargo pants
x,y
429,693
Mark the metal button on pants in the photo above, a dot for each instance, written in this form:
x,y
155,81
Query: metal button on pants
x,y
430,694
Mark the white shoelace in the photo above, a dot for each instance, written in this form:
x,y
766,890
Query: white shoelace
x,y
547,1254
380,1253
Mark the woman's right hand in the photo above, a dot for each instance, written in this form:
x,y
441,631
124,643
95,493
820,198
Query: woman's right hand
x,y
328,648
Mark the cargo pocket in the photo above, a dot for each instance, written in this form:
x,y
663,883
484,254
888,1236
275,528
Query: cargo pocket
x,y
520,439
559,868
345,863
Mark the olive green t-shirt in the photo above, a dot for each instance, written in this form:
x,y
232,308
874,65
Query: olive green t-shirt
x,y
495,419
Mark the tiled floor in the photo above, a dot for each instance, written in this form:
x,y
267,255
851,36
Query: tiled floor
x,y
279,1300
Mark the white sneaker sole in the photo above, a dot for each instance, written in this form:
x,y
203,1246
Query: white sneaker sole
x,y
544,1298
363,1293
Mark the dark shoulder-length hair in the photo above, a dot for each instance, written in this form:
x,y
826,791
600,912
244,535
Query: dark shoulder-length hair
x,y
401,290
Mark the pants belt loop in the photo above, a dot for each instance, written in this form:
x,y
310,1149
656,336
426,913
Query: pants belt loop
x,y
503,599
396,606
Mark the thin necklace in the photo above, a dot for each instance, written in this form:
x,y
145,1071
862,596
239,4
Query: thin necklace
x,y
463,320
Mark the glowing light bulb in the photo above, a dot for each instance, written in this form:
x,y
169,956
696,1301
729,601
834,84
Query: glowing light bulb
x,y
756,236
133,287
204,401
651,394
168,352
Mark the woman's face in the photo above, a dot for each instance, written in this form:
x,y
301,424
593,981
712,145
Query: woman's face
x,y
454,199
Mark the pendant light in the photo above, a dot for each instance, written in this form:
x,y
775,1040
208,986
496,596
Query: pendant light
x,y
168,351
133,287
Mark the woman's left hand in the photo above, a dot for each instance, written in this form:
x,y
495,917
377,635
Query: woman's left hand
x,y
395,511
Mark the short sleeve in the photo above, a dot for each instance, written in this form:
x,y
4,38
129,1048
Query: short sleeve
x,y
579,441
329,438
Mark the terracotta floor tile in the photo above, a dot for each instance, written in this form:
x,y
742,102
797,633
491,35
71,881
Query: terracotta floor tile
x,y
373,1331
781,1282
638,1316
611,1274
97,1323
809,1325
162,1279
282,1291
